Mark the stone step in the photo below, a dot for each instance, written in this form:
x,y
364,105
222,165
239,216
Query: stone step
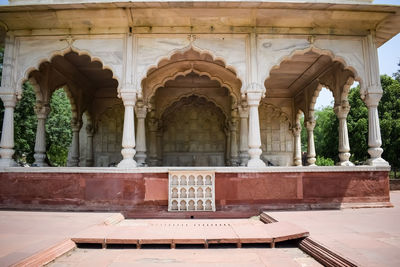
x,y
194,232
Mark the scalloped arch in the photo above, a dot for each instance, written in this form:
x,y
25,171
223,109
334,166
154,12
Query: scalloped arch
x,y
200,73
169,60
182,51
276,109
180,97
51,55
319,51
314,98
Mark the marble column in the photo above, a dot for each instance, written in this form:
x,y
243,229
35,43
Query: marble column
x,y
344,146
233,127
159,146
141,135
310,125
227,145
7,134
152,124
42,111
128,135
297,145
374,131
253,99
76,126
244,131
89,148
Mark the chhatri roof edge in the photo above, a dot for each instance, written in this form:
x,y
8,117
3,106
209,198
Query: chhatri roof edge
x,y
386,22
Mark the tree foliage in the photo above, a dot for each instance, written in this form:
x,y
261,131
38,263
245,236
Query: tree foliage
x,y
325,133
58,128
25,124
389,114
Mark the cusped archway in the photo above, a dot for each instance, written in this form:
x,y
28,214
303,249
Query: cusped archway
x,y
189,61
295,83
193,133
90,87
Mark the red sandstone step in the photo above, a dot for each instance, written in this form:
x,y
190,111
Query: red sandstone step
x,y
190,233
95,234
220,235
253,234
282,231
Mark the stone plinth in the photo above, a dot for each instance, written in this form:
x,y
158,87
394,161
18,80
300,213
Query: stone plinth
x,y
143,192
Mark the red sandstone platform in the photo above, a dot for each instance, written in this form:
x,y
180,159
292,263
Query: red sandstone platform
x,y
239,191
201,232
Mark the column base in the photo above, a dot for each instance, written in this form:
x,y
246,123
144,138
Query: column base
x,y
377,162
376,159
39,160
311,161
345,163
256,163
8,163
6,159
297,162
127,164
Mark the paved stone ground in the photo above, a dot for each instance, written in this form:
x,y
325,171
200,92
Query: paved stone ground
x,y
369,237
286,257
23,234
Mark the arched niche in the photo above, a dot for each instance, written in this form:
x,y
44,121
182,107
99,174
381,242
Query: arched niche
x,y
193,133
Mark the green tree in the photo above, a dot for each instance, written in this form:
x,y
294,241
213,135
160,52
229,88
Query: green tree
x,y
25,124
58,128
326,134
389,114
396,75
357,125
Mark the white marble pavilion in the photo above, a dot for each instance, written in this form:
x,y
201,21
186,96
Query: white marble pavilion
x,y
193,83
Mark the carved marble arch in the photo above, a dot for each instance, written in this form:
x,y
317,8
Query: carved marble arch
x,y
292,73
45,100
190,60
49,58
162,109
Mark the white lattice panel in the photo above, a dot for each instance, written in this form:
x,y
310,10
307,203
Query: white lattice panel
x,y
191,191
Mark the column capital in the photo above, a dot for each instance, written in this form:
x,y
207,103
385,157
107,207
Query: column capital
x,y
90,129
42,110
296,130
342,110
141,111
9,100
128,97
76,125
243,111
310,125
233,124
372,99
254,98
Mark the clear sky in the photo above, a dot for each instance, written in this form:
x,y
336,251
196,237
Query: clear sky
x,y
389,56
